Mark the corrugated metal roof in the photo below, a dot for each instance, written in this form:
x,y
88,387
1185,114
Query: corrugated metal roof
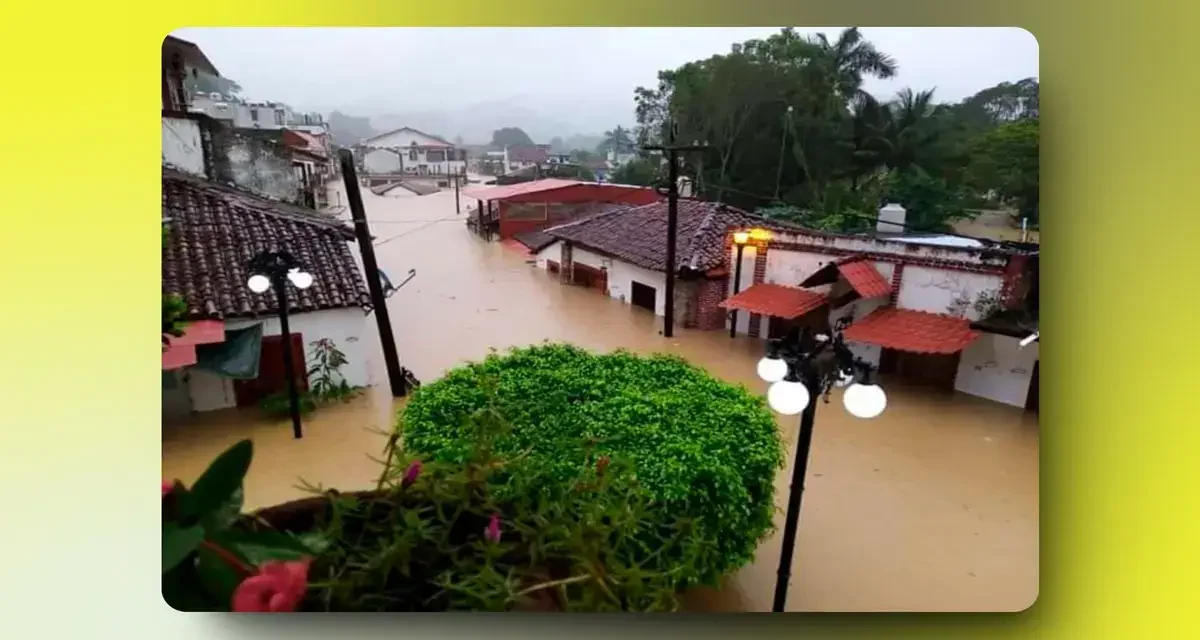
x,y
501,192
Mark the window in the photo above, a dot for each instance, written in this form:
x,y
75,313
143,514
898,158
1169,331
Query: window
x,y
412,154
435,156
279,116
254,115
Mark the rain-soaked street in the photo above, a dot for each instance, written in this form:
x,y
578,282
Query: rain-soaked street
x,y
931,507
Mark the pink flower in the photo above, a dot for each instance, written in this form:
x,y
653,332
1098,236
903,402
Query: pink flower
x,y
278,586
167,485
492,533
410,474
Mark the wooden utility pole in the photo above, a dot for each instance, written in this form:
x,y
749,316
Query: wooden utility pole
x,y
457,206
672,150
359,214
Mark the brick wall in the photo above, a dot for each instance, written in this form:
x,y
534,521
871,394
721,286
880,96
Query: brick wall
x,y
709,294
760,276
566,264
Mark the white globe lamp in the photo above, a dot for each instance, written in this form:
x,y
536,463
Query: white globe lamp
x,y
258,283
772,369
787,397
864,400
302,279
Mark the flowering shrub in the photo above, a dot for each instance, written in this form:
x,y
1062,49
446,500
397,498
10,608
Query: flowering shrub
x,y
432,536
705,452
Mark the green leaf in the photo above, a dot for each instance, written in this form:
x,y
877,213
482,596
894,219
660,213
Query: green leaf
x,y
178,543
216,575
258,547
217,487
227,514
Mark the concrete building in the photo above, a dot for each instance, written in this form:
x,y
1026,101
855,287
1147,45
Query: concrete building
x,y
409,151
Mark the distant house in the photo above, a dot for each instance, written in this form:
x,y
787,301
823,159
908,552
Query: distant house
x,y
523,157
406,150
214,231
527,206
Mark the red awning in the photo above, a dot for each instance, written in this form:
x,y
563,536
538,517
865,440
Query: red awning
x,y
181,351
912,331
775,300
860,273
500,192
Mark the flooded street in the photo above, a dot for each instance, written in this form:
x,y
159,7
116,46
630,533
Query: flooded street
x,y
931,507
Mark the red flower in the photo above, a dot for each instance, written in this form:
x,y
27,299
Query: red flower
x,y
278,586
167,485
410,474
492,533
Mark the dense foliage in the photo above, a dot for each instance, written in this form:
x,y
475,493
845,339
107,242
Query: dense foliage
x,y
510,137
791,131
705,451
431,537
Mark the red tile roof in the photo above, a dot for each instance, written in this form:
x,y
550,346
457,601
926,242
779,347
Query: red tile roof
x,y
214,232
303,141
776,300
860,273
912,331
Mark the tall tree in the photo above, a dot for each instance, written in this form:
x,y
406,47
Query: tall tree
x,y
618,140
510,137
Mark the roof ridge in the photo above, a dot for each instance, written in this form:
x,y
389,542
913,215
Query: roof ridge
x,y
614,209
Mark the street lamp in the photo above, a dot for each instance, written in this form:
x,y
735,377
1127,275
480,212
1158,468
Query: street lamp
x,y
802,368
275,269
740,238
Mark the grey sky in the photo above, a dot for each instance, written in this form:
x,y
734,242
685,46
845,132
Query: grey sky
x,y
582,79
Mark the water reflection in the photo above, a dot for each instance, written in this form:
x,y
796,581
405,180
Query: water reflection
x,y
931,507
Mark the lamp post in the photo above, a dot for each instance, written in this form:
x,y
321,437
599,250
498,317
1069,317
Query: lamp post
x,y
274,269
802,368
740,238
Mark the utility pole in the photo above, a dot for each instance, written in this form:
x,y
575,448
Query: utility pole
x,y
386,337
672,150
457,206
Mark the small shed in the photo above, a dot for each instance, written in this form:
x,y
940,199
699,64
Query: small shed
x,y
539,204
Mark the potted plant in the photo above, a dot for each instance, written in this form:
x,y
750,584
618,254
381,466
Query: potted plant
x,y
431,536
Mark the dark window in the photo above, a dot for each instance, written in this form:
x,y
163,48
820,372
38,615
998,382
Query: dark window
x,y
279,116
642,296
435,156
254,115
412,154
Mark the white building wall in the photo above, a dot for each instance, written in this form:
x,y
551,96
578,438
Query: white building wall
x,y
382,161
944,291
993,367
181,145
621,275
345,327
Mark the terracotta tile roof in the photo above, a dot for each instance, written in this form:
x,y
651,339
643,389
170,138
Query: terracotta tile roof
x,y
535,240
216,230
860,273
912,331
639,234
304,141
776,300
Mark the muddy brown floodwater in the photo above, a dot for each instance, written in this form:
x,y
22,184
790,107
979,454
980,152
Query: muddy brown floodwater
x,y
933,506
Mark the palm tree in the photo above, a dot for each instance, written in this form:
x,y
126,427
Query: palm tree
x,y
851,58
617,140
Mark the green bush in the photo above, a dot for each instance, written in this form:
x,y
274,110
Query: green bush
x,y
705,451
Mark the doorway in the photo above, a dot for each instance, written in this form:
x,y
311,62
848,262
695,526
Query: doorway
x,y
1031,399
271,379
643,296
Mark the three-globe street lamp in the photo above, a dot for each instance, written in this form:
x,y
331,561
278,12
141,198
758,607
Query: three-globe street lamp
x,y
274,269
802,368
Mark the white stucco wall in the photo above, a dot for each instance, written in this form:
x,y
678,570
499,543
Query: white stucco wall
x,y
345,327
994,368
621,275
382,161
937,290
181,145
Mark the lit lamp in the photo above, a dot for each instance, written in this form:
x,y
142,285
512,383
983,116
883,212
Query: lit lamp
x,y
275,269
800,372
740,238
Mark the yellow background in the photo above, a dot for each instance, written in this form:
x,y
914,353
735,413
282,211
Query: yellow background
x,y
79,254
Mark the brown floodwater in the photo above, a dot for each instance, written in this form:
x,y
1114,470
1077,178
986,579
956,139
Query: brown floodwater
x,y
933,506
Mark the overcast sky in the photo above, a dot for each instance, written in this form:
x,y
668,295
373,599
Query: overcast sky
x,y
581,77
